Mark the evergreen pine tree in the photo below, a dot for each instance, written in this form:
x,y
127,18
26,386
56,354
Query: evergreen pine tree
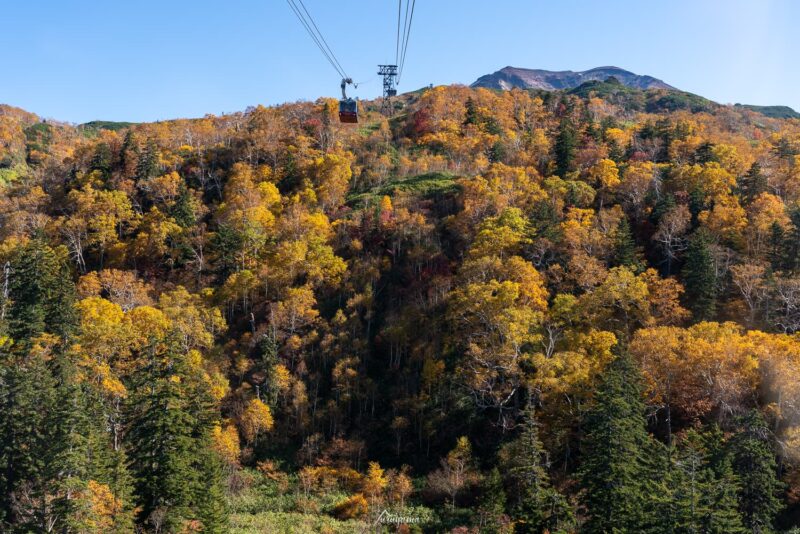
x,y
226,242
699,201
722,516
704,153
182,210
592,130
539,507
626,253
564,148
616,152
33,466
83,452
163,445
791,247
102,160
41,292
699,277
147,166
171,424
784,149
27,401
702,488
470,113
614,469
268,349
663,510
70,455
754,464
775,252
209,498
52,432
491,513
663,205
752,184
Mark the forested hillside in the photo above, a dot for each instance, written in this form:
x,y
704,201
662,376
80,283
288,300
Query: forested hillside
x,y
493,312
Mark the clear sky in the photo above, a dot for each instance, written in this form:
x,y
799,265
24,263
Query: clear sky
x,y
80,60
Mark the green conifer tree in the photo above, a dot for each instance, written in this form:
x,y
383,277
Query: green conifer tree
x,y
171,423
538,506
791,247
102,160
209,499
614,473
663,205
626,253
775,245
704,153
470,112
754,464
41,292
147,165
162,444
699,277
491,512
752,184
701,487
183,210
27,398
33,464
564,148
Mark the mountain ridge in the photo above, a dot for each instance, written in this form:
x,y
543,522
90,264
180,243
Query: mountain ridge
x,y
509,77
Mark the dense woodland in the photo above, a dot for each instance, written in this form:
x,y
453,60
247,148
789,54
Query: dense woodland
x,y
493,312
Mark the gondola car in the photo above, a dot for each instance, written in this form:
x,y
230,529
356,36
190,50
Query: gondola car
x,y
348,108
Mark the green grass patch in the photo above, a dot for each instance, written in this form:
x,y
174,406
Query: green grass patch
x,y
90,130
8,175
367,129
114,126
269,522
423,185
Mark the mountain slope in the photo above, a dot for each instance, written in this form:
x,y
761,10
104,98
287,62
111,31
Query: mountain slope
x,y
775,112
510,77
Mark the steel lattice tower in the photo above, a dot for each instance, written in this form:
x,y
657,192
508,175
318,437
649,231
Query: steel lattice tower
x,y
389,73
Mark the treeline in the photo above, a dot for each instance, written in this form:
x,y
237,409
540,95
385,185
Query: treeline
x,y
500,312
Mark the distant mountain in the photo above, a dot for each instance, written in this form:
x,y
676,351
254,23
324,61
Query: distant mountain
x,y
776,112
510,77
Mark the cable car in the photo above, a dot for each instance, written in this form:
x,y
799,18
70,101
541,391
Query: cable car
x,y
348,108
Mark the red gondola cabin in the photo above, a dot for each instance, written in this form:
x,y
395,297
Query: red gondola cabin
x,y
348,111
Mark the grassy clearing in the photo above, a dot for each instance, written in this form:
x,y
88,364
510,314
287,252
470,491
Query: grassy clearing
x,y
292,523
279,505
424,185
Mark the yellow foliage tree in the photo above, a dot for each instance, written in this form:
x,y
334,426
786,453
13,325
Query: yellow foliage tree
x,y
226,442
255,420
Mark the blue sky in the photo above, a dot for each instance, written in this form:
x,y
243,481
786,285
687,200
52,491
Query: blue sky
x,y
81,60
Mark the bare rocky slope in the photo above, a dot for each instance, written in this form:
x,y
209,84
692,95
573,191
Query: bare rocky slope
x,y
510,77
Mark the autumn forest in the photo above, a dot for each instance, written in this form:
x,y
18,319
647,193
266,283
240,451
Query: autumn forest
x,y
484,312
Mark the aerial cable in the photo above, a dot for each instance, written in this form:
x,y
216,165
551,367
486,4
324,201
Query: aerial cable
x,y
407,35
317,37
323,39
409,16
397,49
405,28
313,36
